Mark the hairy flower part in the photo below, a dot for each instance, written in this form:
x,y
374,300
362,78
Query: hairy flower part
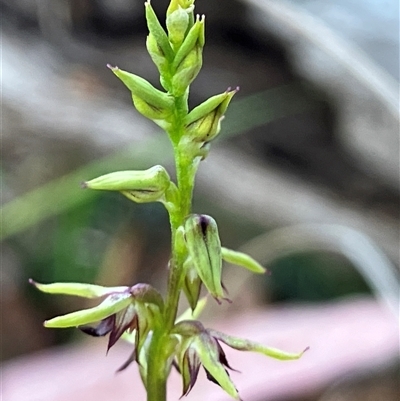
x,y
124,310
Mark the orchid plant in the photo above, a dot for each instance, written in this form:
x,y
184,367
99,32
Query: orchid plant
x,y
139,314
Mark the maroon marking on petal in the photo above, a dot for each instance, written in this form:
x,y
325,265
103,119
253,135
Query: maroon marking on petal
x,y
103,328
211,377
222,357
124,320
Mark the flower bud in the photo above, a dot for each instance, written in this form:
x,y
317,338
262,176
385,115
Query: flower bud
x,y
188,59
157,31
175,4
177,25
191,284
149,101
187,71
204,248
203,123
140,186
157,55
242,259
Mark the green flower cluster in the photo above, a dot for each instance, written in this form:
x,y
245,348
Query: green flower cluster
x,y
139,314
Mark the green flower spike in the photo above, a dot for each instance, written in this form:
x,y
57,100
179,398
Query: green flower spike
x,y
123,310
204,248
200,346
140,186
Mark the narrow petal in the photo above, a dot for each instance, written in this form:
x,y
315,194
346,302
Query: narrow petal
x,y
243,260
112,304
77,289
189,370
246,345
132,358
222,357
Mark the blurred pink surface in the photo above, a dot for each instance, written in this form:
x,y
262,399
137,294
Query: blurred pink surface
x,y
344,337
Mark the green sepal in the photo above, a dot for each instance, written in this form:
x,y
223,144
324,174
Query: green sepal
x,y
112,304
191,283
77,289
158,31
208,353
149,101
194,38
203,123
204,248
220,101
241,344
146,294
242,259
188,328
187,71
157,55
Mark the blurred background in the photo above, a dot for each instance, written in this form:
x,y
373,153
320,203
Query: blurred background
x,y
304,176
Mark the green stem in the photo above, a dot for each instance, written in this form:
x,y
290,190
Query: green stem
x,y
185,173
185,182
156,385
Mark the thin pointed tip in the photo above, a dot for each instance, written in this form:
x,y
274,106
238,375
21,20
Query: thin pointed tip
x,y
112,68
